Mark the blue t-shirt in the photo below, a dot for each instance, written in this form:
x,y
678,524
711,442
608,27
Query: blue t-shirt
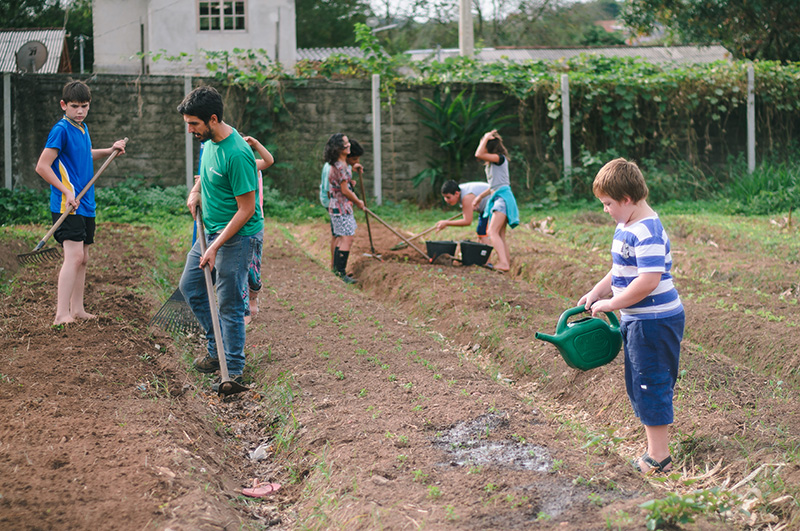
x,y
73,165
644,247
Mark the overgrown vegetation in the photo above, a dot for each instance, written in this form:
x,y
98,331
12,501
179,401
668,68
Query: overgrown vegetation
x,y
685,124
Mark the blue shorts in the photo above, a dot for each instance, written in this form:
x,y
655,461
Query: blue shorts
x,y
652,354
482,224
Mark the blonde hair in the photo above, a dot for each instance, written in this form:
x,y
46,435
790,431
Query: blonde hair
x,y
619,179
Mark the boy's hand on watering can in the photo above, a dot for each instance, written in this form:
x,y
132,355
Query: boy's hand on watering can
x,y
601,306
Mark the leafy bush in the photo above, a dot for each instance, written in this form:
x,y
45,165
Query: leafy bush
x,y
457,125
771,188
136,201
24,206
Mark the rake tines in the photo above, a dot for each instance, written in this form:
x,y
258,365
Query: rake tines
x,y
176,316
39,256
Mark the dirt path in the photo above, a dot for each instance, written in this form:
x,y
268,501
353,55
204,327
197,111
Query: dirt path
x,y
417,400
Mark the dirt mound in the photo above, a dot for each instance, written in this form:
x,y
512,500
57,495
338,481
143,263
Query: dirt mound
x,y
419,398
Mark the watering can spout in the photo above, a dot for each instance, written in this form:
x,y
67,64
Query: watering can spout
x,y
547,337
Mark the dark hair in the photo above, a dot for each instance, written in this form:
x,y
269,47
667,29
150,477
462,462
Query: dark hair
x,y
203,102
495,145
619,179
355,149
334,147
76,91
450,187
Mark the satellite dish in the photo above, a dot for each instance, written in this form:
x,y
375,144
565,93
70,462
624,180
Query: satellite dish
x,y
31,56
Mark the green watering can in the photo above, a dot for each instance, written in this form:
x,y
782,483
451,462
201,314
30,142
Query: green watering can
x,y
586,343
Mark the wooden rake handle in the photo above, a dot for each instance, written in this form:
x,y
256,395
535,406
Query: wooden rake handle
x,y
426,231
68,211
212,301
420,251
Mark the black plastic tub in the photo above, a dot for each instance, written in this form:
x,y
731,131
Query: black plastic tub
x,y
435,249
473,253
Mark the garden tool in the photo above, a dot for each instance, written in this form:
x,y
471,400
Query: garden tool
x,y
175,315
364,199
403,245
586,343
420,251
226,386
39,255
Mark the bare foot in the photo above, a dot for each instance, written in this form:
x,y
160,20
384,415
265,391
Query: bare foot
x,y
63,320
84,315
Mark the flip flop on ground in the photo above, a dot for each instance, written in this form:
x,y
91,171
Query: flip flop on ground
x,y
261,490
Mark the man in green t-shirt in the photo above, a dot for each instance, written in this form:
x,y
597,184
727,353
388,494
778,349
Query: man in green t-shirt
x,y
234,227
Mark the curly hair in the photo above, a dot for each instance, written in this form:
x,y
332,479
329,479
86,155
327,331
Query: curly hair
x,y
333,148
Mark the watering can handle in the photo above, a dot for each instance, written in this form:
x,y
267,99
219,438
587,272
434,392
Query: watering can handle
x,y
562,321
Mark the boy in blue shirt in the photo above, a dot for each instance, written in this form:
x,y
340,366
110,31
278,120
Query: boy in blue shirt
x,y
66,165
640,286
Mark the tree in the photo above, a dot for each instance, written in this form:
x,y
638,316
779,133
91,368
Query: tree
x,y
750,29
31,14
73,15
328,23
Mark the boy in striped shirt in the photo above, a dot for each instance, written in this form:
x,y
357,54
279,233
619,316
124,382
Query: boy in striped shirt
x,y
640,287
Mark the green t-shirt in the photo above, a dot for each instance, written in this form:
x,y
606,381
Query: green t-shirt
x,y
228,169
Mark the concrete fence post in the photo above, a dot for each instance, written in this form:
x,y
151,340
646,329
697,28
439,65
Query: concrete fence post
x,y
751,119
376,138
7,129
566,141
188,146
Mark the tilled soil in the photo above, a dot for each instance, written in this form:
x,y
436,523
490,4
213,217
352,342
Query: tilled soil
x,y
417,399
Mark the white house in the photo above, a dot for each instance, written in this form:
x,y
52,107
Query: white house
x,y
127,33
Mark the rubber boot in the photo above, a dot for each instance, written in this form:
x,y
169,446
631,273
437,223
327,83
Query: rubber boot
x,y
340,261
335,254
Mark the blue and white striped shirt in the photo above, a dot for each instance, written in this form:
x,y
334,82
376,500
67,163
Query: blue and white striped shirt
x,y
640,248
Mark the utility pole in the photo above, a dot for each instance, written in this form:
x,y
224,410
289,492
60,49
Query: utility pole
x,y
466,39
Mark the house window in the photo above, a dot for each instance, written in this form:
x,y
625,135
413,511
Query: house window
x,y
216,15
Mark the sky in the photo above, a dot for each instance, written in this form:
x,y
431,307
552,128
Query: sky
x,y
402,6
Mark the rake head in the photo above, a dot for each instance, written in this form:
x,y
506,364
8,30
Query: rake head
x,y
40,256
176,316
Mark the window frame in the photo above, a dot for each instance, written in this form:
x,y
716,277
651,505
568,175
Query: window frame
x,y
216,13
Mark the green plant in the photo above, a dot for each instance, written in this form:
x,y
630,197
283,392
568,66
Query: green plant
x,y
456,125
434,492
678,509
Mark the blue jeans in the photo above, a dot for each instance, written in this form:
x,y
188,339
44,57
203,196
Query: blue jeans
x,y
232,262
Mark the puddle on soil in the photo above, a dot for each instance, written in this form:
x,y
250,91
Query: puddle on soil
x,y
466,446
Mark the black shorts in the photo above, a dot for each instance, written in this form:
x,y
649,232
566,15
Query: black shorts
x,y
75,228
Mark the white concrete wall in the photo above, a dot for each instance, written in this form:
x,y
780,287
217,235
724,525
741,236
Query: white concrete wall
x,y
171,28
117,35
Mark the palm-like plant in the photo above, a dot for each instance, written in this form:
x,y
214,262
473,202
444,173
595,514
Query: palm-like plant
x,y
456,124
